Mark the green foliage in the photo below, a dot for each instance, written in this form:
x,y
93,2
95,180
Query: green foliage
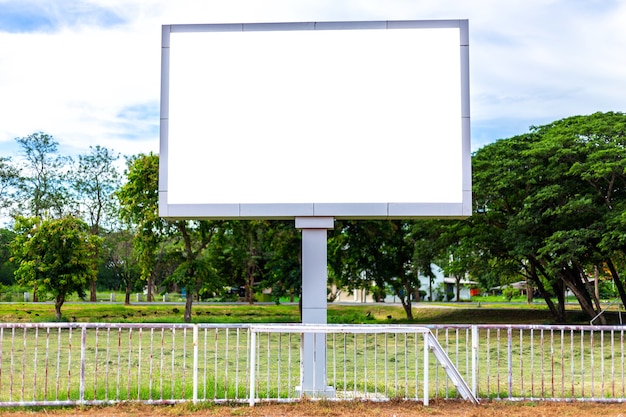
x,y
95,182
548,204
7,269
139,198
9,180
362,252
509,292
121,270
42,186
55,255
282,270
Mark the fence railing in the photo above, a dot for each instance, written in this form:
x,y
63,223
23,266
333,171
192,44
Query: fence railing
x,y
533,362
369,362
95,363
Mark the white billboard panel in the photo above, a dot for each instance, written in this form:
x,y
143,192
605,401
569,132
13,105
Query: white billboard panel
x,y
341,119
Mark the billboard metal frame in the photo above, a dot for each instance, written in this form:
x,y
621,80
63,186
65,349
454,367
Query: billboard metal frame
x,y
281,210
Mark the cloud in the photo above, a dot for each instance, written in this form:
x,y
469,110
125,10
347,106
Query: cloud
x,y
141,119
88,72
76,82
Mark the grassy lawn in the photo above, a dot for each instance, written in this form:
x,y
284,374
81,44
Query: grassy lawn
x,y
449,313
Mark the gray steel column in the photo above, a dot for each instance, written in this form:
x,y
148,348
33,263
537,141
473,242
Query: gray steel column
x,y
314,285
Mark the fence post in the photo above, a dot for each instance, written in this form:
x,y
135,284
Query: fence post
x,y
195,363
426,395
83,353
510,359
475,340
252,363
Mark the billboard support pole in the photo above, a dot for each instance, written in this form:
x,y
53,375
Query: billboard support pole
x,y
314,285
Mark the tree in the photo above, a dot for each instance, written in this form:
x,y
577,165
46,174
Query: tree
x,y
42,188
139,198
424,236
242,249
56,254
155,239
551,200
121,259
194,268
506,227
7,268
9,180
248,239
366,252
95,182
282,266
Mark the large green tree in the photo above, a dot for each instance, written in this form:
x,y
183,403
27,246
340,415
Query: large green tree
x,y
156,240
552,200
139,199
55,254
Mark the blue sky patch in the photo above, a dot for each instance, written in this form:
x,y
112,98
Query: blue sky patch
x,y
45,16
23,17
140,121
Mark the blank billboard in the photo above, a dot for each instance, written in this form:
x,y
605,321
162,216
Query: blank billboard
x,y
340,119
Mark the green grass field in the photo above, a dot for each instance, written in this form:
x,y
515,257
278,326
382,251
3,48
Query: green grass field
x,y
430,313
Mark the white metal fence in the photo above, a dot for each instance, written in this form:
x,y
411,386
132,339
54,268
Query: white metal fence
x,y
87,363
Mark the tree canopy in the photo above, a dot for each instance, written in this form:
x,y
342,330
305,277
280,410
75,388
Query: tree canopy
x,y
56,254
549,208
553,201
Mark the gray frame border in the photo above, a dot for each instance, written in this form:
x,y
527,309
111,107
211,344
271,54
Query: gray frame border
x,y
336,210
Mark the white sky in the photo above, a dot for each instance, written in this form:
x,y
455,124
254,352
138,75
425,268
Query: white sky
x,y
88,72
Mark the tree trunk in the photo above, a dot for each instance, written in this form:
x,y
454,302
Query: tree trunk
x,y
406,302
407,306
596,282
559,290
188,304
58,303
573,281
150,285
558,312
596,290
127,294
458,289
250,282
617,280
92,291
430,289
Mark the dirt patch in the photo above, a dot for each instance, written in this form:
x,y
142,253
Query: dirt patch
x,y
338,409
